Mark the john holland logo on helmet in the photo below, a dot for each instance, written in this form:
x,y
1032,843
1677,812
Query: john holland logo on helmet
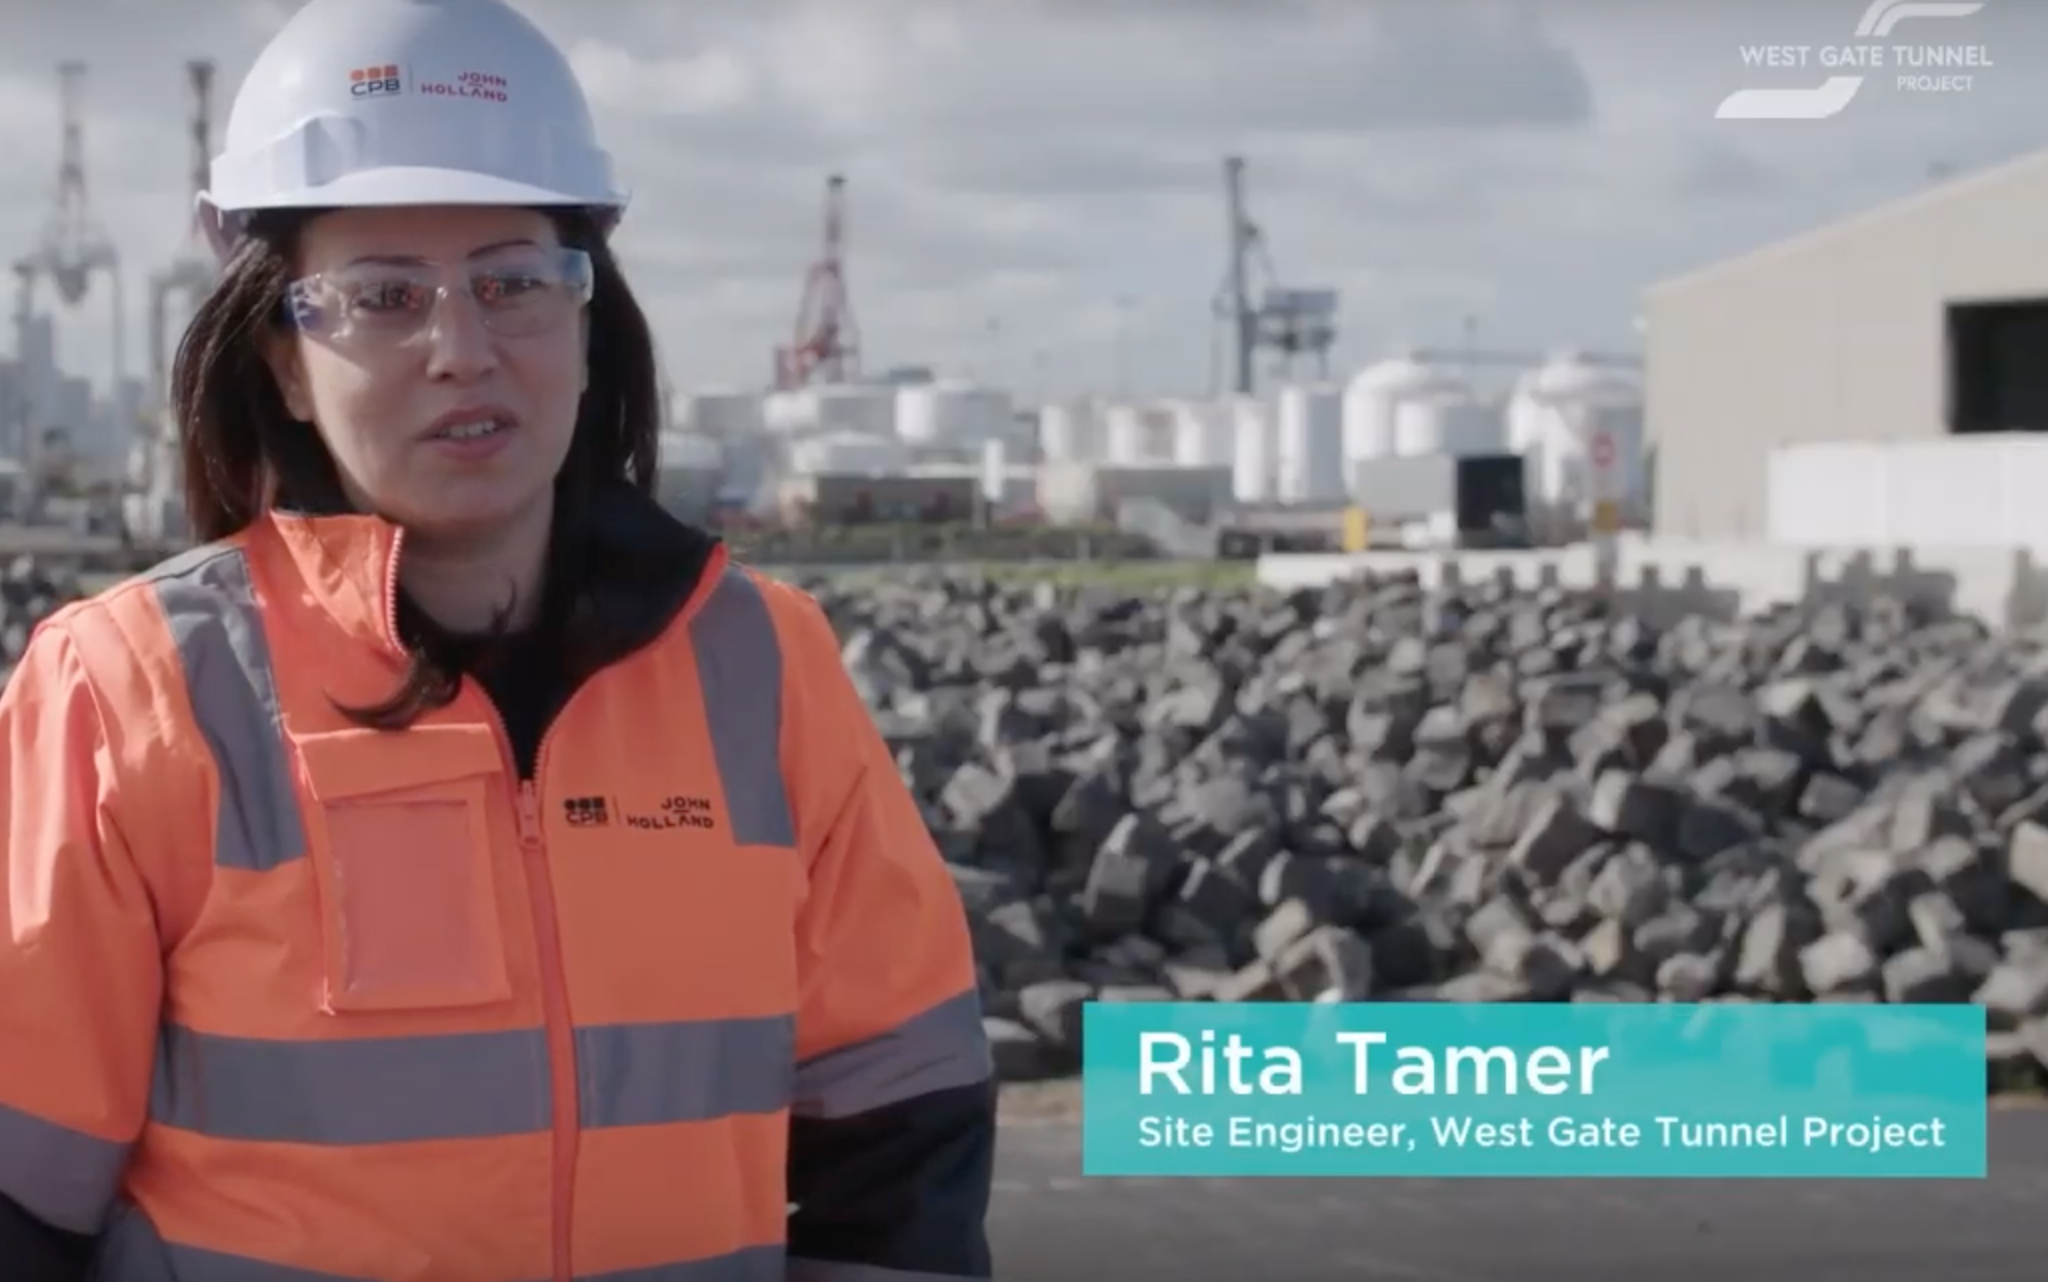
x,y
375,82
484,86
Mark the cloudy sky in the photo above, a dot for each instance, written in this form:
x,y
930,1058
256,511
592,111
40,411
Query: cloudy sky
x,y
1031,179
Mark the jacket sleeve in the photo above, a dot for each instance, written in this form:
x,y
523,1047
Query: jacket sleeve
x,y
80,962
892,1134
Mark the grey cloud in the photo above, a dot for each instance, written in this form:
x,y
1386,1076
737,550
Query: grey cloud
x,y
1104,164
1403,66
1715,171
1534,162
1442,67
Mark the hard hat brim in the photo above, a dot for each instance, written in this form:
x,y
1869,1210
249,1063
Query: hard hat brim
x,y
411,186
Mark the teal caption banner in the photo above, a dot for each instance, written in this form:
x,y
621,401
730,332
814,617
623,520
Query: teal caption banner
x,y
1725,1090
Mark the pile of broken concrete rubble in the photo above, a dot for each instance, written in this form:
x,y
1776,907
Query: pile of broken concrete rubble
x,y
30,590
1376,791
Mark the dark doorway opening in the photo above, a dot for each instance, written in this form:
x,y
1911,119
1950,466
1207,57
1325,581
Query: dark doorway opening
x,y
1998,366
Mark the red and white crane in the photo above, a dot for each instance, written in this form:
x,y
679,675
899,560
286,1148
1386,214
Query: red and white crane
x,y
826,343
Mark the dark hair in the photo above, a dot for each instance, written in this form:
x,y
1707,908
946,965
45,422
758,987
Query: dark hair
x,y
243,452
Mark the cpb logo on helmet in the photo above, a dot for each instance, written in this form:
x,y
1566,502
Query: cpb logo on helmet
x,y
375,82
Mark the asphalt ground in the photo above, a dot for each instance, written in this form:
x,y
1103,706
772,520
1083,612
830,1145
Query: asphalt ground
x,y
1050,1224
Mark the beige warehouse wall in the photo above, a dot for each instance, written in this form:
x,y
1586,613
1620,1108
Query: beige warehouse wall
x,y
1837,335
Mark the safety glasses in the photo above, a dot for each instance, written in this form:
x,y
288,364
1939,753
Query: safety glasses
x,y
518,293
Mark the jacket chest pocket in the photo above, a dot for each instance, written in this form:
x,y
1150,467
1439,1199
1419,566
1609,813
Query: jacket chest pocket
x,y
398,828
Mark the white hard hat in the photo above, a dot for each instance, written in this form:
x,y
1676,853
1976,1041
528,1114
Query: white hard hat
x,y
408,102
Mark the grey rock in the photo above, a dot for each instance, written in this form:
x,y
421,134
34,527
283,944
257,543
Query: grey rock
x,y
1383,791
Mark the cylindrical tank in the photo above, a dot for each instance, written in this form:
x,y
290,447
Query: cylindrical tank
x,y
1374,397
1527,415
1202,434
1455,424
846,453
856,407
723,414
995,470
1558,412
1311,445
692,450
1138,435
791,412
1070,433
1252,452
691,474
747,466
949,415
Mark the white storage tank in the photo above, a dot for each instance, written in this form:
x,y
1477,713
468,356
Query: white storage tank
x,y
1070,433
723,414
1527,415
950,415
1138,435
849,454
995,470
1457,424
791,412
864,408
1252,463
1202,434
691,451
747,465
691,475
1558,412
1373,399
1311,466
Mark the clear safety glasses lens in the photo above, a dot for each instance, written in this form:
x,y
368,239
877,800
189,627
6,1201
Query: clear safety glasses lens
x,y
515,297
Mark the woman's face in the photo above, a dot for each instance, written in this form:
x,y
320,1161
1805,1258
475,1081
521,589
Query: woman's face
x,y
440,354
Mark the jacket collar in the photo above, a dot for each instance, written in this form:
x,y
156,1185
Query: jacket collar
x,y
634,562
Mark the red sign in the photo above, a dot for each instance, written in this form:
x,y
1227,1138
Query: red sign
x,y
1603,450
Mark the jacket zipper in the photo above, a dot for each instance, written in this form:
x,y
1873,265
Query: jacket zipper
x,y
547,934
554,987
547,929
390,619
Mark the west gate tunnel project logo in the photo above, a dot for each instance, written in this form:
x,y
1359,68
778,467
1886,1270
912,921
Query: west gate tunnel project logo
x,y
1914,68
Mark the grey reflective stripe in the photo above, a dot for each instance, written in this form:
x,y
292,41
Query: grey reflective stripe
x,y
385,1090
739,665
60,1176
210,604
133,1251
394,1090
803,1270
649,1074
942,1048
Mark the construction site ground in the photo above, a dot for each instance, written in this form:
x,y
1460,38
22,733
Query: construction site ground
x,y
1052,1224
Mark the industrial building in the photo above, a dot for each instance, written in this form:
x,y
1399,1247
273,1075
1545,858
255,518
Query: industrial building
x,y
844,498
68,436
827,442
1917,321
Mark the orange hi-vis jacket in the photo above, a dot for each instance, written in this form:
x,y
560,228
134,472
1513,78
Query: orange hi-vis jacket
x,y
283,999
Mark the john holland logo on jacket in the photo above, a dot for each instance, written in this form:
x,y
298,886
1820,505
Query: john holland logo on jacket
x,y
673,812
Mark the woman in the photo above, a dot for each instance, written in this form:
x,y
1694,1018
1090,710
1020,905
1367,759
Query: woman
x,y
455,869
